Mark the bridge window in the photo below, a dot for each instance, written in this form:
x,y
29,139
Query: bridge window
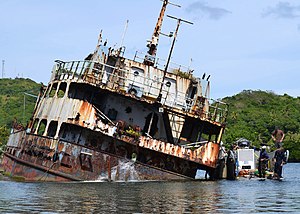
x,y
62,90
53,90
42,127
52,128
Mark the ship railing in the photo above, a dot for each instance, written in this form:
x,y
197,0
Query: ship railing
x,y
213,110
126,80
161,63
218,111
131,82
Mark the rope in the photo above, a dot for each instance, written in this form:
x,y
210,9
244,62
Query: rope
x,y
46,173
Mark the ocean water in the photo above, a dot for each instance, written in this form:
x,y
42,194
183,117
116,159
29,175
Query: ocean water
x,y
240,196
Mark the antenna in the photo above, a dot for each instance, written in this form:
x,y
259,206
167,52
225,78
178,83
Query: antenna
x,y
3,61
174,38
176,5
189,68
171,50
149,59
24,103
124,33
95,54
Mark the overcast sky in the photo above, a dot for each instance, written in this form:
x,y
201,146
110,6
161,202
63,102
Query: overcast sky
x,y
243,45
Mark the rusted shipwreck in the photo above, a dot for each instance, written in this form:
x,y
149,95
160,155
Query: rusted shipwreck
x,y
112,118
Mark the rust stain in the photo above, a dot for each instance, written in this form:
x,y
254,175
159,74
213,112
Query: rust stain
x,y
206,154
81,142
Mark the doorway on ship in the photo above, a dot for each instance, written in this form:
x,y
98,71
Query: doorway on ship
x,y
150,128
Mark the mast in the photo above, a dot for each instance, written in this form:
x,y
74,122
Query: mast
x,y
3,61
170,53
150,58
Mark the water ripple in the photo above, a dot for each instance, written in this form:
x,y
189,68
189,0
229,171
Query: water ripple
x,y
241,196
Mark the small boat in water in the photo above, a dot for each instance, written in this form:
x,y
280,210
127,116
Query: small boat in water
x,y
111,118
251,164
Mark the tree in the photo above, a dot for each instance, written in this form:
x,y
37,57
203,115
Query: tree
x,y
254,115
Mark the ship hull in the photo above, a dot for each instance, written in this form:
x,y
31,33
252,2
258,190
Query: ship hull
x,y
32,172
31,158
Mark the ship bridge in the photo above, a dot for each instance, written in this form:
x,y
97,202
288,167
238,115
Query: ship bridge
x,y
181,92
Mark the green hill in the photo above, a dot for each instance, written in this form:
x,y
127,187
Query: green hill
x,y
255,114
12,100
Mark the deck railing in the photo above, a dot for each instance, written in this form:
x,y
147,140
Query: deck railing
x,y
161,63
139,85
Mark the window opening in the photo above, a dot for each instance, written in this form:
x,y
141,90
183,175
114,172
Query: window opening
x,y
42,127
53,90
62,90
150,127
52,128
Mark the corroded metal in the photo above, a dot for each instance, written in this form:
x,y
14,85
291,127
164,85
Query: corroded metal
x,y
35,161
100,119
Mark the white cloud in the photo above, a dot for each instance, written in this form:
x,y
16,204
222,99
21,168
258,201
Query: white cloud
x,y
202,8
283,10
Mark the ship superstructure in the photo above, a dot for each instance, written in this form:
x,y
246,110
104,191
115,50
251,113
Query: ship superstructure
x,y
112,118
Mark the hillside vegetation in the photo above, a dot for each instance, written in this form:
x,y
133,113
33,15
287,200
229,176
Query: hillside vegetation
x,y
252,114
14,104
255,114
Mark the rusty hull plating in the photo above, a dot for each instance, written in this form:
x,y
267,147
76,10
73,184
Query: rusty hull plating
x,y
100,119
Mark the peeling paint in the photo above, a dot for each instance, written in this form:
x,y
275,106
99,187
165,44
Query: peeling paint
x,y
106,112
